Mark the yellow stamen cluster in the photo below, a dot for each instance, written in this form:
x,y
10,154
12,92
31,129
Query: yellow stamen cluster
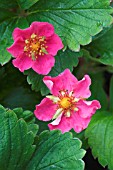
x,y
67,100
35,46
66,103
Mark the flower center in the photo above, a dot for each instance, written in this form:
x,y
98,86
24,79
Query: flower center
x,y
35,46
65,103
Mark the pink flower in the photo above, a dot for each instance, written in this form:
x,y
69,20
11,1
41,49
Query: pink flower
x,y
67,107
34,47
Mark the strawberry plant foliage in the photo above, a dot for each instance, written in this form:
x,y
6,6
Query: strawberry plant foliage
x,y
111,94
16,93
57,151
86,30
75,21
17,150
61,64
98,91
99,134
26,4
103,48
6,29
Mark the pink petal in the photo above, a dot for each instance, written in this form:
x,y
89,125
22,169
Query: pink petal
x,y
17,48
45,110
43,64
81,89
64,81
22,33
67,123
42,28
79,123
54,44
87,108
64,125
57,120
23,62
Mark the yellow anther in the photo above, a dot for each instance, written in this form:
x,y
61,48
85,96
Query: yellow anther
x,y
25,48
65,102
33,36
26,41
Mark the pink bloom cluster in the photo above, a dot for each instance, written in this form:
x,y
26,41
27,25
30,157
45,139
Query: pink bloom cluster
x,y
67,106
35,47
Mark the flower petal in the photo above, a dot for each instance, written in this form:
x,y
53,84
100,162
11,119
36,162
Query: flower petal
x,y
22,33
57,120
87,108
67,123
81,89
64,81
54,44
43,64
17,48
79,123
45,110
23,63
43,28
64,124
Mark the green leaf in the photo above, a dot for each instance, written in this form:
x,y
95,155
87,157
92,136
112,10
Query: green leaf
x,y
57,151
6,29
19,97
8,4
102,48
26,4
76,21
28,117
100,138
16,141
111,94
63,60
15,91
5,14
35,80
97,90
81,136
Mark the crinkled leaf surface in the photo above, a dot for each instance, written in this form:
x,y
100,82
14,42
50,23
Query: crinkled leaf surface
x,y
6,29
100,138
36,82
75,21
16,141
26,4
102,48
57,151
28,117
67,59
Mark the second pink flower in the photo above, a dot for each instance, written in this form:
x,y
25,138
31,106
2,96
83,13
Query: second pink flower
x,y
67,106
